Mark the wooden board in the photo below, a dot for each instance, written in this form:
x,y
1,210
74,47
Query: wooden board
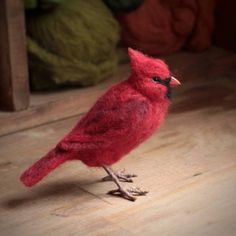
x,y
14,85
189,167
47,107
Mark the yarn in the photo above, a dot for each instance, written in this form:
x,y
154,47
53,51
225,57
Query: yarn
x,y
160,27
73,44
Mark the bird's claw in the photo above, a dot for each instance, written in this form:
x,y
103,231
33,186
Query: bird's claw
x,y
129,194
122,176
136,191
122,173
122,193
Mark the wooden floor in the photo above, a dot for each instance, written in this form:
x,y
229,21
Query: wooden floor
x,y
189,167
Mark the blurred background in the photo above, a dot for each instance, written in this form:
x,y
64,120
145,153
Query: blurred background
x,y
81,43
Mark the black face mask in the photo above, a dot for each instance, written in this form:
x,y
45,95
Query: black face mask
x,y
165,83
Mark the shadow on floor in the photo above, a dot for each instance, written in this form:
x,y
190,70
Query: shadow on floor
x,y
52,190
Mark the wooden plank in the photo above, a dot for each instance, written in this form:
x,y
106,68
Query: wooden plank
x,y
14,88
189,167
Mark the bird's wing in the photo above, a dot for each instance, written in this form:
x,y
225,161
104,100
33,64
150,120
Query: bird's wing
x,y
117,117
107,123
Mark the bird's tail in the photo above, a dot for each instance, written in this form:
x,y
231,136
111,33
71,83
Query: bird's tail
x,y
42,168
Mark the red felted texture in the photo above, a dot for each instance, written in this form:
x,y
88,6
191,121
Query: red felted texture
x,y
125,116
165,26
42,167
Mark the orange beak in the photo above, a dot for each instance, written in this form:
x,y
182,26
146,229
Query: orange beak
x,y
174,82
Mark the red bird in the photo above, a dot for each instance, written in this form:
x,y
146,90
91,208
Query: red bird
x,y
125,116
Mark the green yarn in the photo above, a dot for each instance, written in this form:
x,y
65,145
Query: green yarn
x,y
74,44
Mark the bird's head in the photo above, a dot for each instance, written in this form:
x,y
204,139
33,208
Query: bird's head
x,y
151,76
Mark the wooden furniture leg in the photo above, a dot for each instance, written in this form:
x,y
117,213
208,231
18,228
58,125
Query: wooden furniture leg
x,y
14,85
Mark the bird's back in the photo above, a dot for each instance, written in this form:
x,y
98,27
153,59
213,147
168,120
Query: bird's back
x,y
120,120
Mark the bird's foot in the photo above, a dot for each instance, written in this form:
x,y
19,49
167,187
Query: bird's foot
x,y
129,194
121,175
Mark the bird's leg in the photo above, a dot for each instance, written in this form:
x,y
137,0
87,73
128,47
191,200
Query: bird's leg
x,y
128,194
121,175
124,193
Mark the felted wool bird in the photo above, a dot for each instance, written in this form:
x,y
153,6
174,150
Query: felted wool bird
x,y
125,116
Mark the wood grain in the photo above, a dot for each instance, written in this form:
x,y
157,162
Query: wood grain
x,y
189,167
14,88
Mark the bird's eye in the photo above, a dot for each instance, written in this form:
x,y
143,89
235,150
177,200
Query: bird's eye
x,y
156,79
